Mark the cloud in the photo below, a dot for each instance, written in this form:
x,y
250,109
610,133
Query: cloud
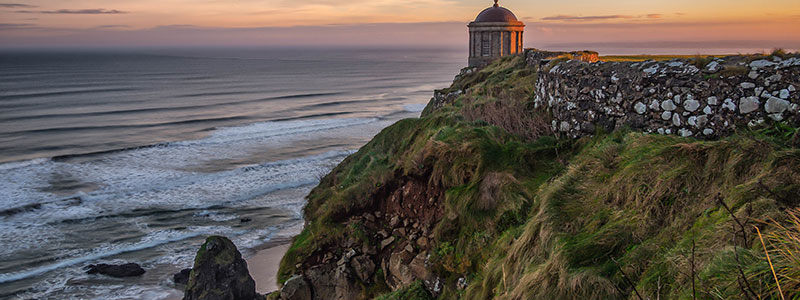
x,y
16,26
111,26
654,16
98,11
16,5
569,18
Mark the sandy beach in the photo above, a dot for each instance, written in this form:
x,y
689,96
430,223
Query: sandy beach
x,y
263,267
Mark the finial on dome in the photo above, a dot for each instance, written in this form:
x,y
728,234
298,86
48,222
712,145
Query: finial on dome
x,y
495,3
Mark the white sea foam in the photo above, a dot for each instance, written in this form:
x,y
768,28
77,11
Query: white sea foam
x,y
170,177
22,164
99,253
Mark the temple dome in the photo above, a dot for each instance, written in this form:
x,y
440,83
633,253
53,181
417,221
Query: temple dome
x,y
496,14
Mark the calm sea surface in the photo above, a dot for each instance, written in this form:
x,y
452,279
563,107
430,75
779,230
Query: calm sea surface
x,y
110,156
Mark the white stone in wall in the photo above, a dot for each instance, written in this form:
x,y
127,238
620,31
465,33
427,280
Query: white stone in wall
x,y
776,117
661,131
775,77
668,105
791,88
708,131
571,105
712,100
676,120
776,105
784,94
707,110
759,91
692,121
617,98
677,99
691,105
701,121
640,108
753,124
747,85
666,115
712,67
748,105
614,78
729,105
651,70
564,126
655,105
685,132
668,131
794,108
753,75
794,61
761,64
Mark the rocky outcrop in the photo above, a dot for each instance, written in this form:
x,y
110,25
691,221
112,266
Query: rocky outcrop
x,y
182,277
670,97
220,273
399,229
119,271
296,288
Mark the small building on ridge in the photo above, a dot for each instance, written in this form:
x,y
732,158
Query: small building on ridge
x,y
495,33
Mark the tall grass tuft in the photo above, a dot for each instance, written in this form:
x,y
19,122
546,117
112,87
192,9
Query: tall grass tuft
x,y
779,53
515,116
783,249
700,61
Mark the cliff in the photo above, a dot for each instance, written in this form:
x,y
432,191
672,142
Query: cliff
x,y
535,178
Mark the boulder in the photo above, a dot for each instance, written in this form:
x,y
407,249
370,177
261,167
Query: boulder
x,y
399,269
364,267
119,271
387,242
220,273
182,277
296,288
331,282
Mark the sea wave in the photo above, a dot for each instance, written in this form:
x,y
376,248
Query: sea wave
x,y
97,254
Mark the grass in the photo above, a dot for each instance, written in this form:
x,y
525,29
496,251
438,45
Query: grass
x,y
638,203
416,291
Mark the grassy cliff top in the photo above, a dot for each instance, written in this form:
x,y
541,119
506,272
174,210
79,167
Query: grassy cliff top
x,y
621,215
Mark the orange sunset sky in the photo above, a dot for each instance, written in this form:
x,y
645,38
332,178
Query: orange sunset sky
x,y
734,24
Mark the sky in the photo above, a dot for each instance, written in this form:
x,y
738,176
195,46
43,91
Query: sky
x,y
558,25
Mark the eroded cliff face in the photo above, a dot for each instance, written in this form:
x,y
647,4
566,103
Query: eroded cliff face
x,y
390,243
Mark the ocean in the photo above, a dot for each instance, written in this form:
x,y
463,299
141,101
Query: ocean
x,y
112,156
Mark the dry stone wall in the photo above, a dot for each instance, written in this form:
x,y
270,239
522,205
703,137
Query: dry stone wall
x,y
668,97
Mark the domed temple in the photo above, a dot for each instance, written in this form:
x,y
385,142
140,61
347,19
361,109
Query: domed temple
x,y
496,32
